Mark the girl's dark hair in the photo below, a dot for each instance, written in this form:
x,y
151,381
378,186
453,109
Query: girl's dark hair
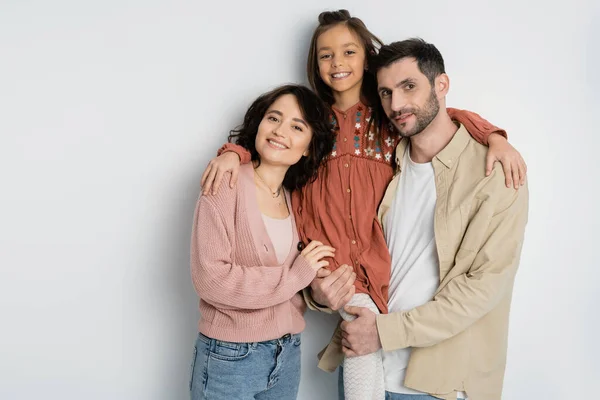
x,y
371,45
316,115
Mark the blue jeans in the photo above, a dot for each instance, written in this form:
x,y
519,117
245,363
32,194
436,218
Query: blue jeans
x,y
388,395
246,371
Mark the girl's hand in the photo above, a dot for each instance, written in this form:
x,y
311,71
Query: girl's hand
x,y
513,164
213,175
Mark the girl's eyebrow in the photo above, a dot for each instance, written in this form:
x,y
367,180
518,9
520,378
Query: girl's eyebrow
x,y
344,45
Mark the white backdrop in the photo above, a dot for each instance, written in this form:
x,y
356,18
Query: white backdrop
x,y
110,110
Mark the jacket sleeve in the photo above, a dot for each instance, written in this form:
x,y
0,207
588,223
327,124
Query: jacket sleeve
x,y
312,304
498,230
477,126
220,281
244,154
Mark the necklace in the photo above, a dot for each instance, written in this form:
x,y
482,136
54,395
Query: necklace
x,y
275,193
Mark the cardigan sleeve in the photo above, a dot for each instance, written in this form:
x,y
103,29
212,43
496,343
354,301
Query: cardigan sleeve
x,y
220,281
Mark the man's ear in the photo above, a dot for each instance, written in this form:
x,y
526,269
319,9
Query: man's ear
x,y
442,85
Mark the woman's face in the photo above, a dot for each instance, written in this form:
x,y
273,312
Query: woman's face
x,y
283,134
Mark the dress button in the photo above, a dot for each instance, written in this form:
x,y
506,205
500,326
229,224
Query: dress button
x,y
345,139
354,242
348,190
346,165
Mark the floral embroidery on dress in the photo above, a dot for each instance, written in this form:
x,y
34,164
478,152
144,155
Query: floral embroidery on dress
x,y
366,144
333,129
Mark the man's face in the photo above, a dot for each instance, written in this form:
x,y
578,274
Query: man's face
x,y
407,97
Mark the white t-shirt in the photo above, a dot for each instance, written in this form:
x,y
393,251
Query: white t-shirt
x,y
415,272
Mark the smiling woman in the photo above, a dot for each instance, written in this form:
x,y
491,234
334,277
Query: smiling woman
x,y
291,116
246,266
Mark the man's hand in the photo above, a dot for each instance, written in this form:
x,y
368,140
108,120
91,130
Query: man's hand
x,y
213,175
360,337
335,289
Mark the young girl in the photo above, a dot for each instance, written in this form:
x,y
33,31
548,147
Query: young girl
x,y
245,261
340,207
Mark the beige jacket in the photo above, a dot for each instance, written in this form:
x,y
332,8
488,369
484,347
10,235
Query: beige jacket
x,y
459,338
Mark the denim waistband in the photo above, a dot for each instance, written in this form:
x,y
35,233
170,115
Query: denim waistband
x,y
288,337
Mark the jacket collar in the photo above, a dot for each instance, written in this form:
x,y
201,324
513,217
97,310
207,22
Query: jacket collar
x,y
449,154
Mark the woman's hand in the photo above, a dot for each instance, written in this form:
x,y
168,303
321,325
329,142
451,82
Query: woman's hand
x,y
315,252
